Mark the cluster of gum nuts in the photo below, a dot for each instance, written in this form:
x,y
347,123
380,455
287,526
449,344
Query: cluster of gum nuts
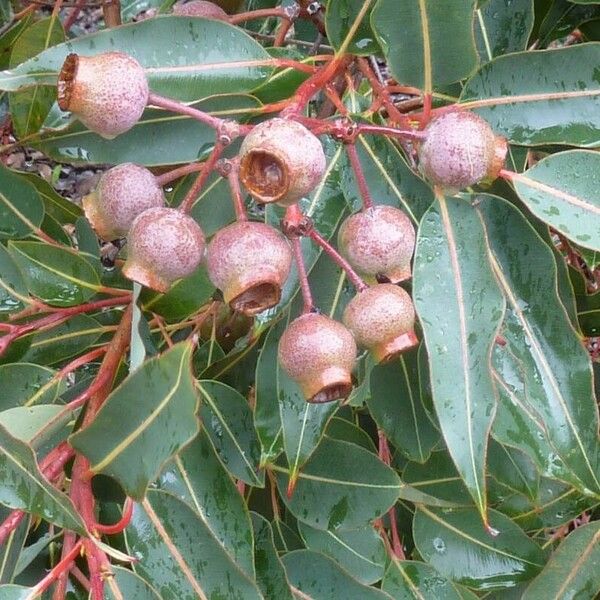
x,y
280,161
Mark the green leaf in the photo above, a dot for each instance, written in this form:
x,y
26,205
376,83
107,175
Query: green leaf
x,y
144,421
502,27
25,384
562,191
341,16
456,544
28,423
415,41
178,554
227,419
513,469
158,138
557,367
359,551
126,584
21,210
56,275
270,574
13,292
573,571
24,487
395,405
197,477
12,549
341,487
542,97
29,108
460,308
320,578
411,579
210,58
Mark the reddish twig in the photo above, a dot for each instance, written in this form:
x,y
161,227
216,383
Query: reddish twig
x,y
121,524
361,182
174,174
231,170
190,198
63,566
73,15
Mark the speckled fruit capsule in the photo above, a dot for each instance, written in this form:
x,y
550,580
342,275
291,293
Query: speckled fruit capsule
x,y
123,192
249,262
379,243
164,245
461,149
281,161
200,8
107,92
319,354
382,319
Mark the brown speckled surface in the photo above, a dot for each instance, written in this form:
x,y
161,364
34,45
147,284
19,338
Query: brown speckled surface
x,y
163,245
200,8
378,241
107,92
123,193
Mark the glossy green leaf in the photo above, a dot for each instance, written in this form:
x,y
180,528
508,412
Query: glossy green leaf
x,y
12,549
456,544
341,487
539,334
13,291
211,57
227,419
25,384
144,421
126,584
197,477
513,469
460,308
543,97
24,487
56,275
573,571
270,574
561,18
158,138
395,405
414,580
30,424
21,210
502,27
562,191
345,431
341,16
15,592
30,107
320,578
179,556
359,551
415,41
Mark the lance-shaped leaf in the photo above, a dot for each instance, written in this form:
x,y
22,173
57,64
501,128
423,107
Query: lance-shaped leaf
x,y
539,334
146,420
26,384
126,584
270,574
414,580
343,15
227,419
415,41
179,556
341,487
562,190
573,571
24,487
456,544
13,291
320,578
197,477
21,209
211,57
543,97
460,308
55,275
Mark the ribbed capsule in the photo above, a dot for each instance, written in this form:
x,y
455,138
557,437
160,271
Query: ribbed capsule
x,y
163,245
382,319
379,243
461,149
107,92
319,354
281,161
123,192
249,262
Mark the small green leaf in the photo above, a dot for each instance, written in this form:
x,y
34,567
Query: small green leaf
x,y
13,291
56,275
144,421
25,384
456,544
126,584
21,210
341,16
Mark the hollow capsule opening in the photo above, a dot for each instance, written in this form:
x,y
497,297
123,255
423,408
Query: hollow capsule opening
x,y
334,391
257,298
264,175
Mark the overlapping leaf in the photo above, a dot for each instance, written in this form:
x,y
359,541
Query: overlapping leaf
x,y
21,210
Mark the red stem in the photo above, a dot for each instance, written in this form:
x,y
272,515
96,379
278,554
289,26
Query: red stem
x,y
359,175
292,214
190,198
174,174
263,13
353,276
183,109
84,359
73,15
236,193
121,524
282,31
59,568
